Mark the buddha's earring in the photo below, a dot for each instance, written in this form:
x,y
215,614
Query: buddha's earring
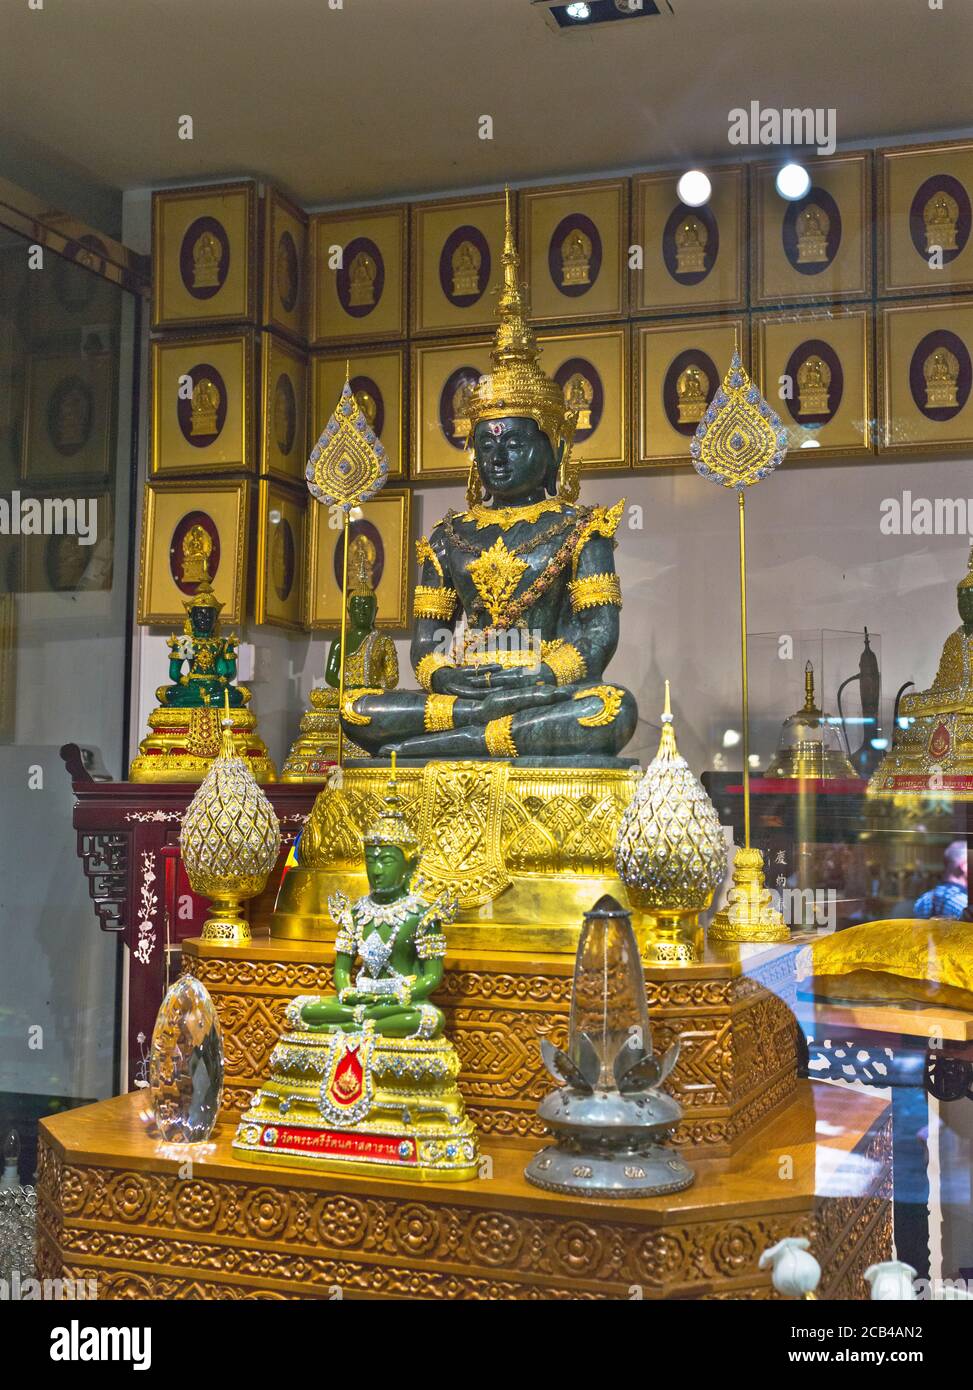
x,y
474,486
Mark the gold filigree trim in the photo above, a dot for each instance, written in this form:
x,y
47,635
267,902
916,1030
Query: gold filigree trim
x,y
505,517
566,662
424,551
496,574
429,665
603,521
433,603
593,590
611,701
348,710
437,713
499,739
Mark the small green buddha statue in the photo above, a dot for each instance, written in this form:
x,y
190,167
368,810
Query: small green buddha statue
x,y
209,658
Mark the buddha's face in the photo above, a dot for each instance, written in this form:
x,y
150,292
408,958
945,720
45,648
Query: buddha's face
x,y
964,602
203,620
361,611
514,457
387,868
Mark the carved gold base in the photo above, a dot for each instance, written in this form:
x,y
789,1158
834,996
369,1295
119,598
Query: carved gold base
x,y
526,850
315,750
749,915
182,743
670,937
932,758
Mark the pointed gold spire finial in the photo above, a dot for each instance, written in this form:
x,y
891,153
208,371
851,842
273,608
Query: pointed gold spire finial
x,y
967,581
227,748
667,742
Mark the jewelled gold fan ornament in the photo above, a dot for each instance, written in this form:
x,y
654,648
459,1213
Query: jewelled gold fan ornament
x,y
348,465
739,441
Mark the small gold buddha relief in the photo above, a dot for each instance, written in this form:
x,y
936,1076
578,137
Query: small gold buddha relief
x,y
691,402
941,373
284,415
368,406
362,558
813,226
940,217
205,404
461,410
71,419
361,281
813,381
691,238
207,256
466,269
281,566
576,258
578,396
197,547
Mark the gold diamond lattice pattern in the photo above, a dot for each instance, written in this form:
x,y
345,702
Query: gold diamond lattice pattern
x,y
348,464
740,439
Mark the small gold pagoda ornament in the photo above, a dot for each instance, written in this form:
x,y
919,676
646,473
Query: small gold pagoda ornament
x,y
739,441
229,841
671,852
809,746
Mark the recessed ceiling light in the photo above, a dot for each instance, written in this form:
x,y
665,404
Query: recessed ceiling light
x,y
579,10
793,181
694,188
810,444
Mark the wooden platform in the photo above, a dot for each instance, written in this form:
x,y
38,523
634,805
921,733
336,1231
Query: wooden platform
x,y
118,1207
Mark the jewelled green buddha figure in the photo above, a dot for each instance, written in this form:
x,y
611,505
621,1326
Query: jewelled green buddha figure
x,y
184,734
364,1079
529,575
371,665
933,755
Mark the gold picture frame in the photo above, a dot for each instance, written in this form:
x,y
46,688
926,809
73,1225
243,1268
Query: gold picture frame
x,y
285,257
910,180
378,380
669,403
56,562
69,419
281,561
441,375
365,296
221,511
925,381
202,404
815,369
204,255
592,369
575,240
705,269
283,383
456,245
818,247
385,522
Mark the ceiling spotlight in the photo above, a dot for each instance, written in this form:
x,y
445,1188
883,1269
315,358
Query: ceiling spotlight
x,y
810,443
793,181
694,188
579,10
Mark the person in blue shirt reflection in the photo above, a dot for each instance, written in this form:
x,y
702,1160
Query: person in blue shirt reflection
x,y
949,898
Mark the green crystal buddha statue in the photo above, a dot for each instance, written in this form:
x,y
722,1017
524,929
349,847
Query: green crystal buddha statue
x,y
209,658
533,574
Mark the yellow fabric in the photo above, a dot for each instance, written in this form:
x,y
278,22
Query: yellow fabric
x,y
913,958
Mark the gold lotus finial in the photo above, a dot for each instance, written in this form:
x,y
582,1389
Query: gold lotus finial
x,y
391,827
227,749
740,438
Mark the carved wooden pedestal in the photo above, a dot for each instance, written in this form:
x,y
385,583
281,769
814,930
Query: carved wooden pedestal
x,y
113,1208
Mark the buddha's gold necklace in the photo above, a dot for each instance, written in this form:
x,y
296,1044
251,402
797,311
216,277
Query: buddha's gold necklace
x,y
505,517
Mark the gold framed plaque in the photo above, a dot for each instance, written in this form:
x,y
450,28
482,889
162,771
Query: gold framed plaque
x,y
283,381
592,370
204,255
69,419
456,248
57,562
575,240
382,528
281,519
285,297
815,370
189,528
677,370
442,379
202,394
358,275
925,219
818,246
925,377
378,380
692,258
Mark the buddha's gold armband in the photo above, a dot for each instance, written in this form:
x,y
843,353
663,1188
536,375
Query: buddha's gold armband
x,y
565,661
429,665
499,739
437,713
433,603
594,590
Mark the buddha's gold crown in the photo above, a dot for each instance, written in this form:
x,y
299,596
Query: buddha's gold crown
x,y
203,598
391,826
967,581
517,386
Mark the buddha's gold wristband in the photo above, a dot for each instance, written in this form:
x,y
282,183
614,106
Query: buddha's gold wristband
x,y
429,602
437,713
593,590
499,739
429,665
566,662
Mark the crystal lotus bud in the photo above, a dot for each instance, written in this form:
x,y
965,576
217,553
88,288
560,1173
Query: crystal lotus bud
x,y
670,852
186,1064
793,1272
891,1280
230,840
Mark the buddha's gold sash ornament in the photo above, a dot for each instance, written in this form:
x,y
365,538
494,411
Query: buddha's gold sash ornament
x,y
671,852
576,258
813,227
739,441
809,744
940,216
466,269
813,383
691,238
691,387
578,396
207,258
362,274
204,407
940,372
229,841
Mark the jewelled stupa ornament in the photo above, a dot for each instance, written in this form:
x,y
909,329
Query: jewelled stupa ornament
x,y
671,853
186,1064
229,841
609,1117
739,441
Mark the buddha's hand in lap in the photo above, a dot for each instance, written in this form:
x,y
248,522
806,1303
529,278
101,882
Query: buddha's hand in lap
x,y
490,678
503,702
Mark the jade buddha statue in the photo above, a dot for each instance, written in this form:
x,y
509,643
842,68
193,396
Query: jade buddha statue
x,y
517,609
202,663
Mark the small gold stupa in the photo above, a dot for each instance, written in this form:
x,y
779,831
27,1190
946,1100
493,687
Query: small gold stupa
x,y
671,852
809,744
229,840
